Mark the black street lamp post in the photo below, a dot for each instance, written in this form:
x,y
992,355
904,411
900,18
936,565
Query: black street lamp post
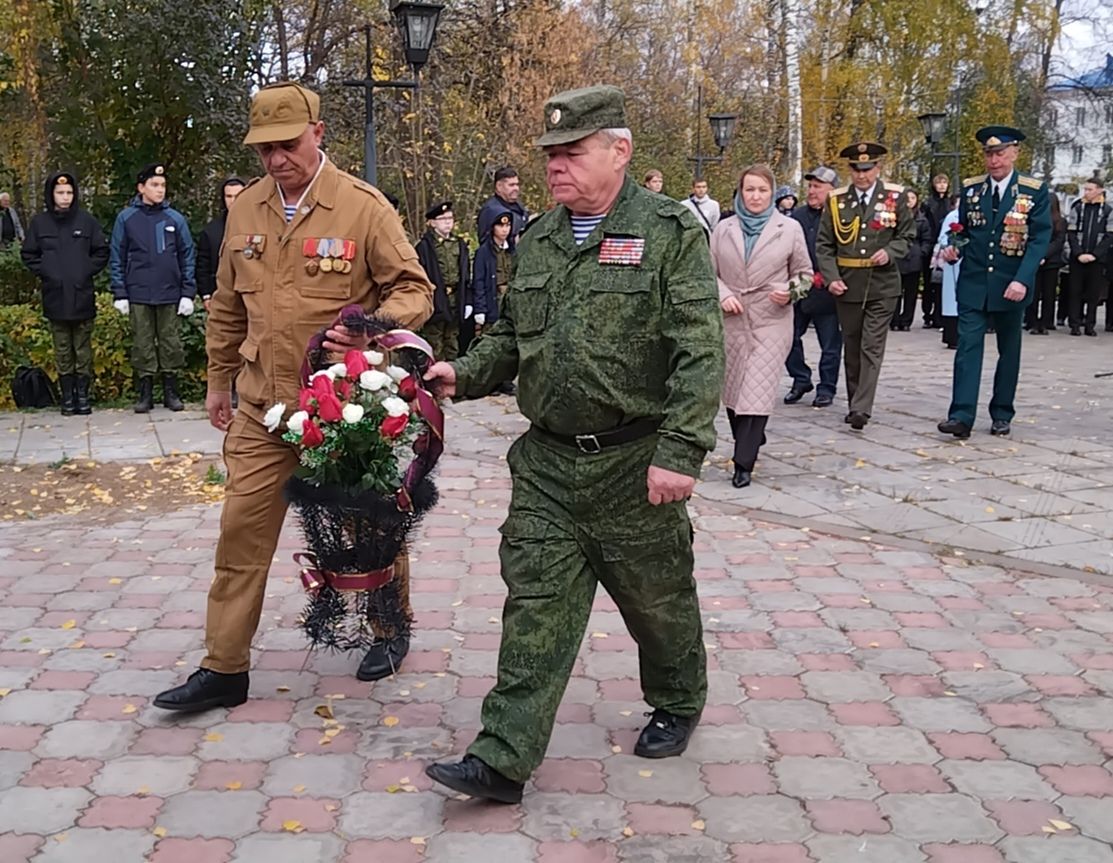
x,y
417,22
722,130
934,124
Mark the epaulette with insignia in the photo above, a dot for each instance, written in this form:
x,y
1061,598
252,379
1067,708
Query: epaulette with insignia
x,y
973,181
1030,182
841,190
894,187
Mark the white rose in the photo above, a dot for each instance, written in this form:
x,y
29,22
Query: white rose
x,y
272,419
338,370
397,374
352,413
296,422
396,407
373,357
322,373
373,380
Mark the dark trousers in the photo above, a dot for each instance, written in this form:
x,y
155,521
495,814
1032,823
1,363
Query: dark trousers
x,y
972,326
1109,299
749,435
865,327
949,323
1087,283
1064,296
1041,313
830,349
905,312
73,347
932,303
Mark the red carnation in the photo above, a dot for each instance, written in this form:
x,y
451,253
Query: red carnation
x,y
307,402
311,434
357,364
392,427
875,224
407,388
329,407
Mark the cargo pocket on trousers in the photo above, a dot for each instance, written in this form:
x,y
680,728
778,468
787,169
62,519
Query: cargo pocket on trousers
x,y
651,564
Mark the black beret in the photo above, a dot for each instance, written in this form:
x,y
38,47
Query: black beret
x,y
438,209
155,169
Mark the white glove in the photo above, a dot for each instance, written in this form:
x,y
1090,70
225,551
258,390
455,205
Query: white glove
x,y
121,306
481,319
185,306
467,312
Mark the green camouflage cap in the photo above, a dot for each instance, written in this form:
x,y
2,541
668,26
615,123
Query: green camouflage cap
x,y
575,114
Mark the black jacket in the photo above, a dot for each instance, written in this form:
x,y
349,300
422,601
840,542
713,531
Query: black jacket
x,y
935,210
209,243
427,255
1090,230
484,285
1053,260
65,249
819,301
919,252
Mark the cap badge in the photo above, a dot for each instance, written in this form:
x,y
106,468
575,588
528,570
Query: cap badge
x,y
554,116
864,157
993,141
159,170
862,148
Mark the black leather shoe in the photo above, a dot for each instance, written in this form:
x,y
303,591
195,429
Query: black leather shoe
x,y
146,398
170,397
204,690
384,658
1000,428
81,397
954,427
475,778
857,420
741,477
846,418
69,394
796,393
1075,331
1090,331
666,735
823,401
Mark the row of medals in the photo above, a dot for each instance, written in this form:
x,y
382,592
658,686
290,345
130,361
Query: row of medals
x,y
1014,237
334,262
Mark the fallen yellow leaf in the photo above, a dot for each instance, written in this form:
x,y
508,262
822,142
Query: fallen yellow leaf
x,y
393,789
627,831
115,581
1047,829
69,624
390,721
292,826
645,774
699,824
159,832
417,840
298,789
1060,825
214,737
5,691
129,709
324,711
282,689
234,786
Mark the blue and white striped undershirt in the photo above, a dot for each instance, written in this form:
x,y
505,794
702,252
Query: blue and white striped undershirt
x,y
582,226
291,211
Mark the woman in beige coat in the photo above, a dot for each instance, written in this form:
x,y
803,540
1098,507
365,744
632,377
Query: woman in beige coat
x,y
757,253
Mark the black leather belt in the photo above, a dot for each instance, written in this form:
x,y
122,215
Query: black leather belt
x,y
596,443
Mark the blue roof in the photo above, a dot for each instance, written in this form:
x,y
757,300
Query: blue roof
x,y
1095,79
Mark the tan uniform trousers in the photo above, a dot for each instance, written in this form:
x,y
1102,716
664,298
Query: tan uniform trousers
x,y
258,463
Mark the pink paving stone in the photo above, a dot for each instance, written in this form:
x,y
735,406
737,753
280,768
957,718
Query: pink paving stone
x,y
871,713
479,816
914,685
63,680
217,775
577,852
1017,716
955,744
121,812
383,851
309,740
262,710
741,779
772,688
100,707
141,600
57,618
666,820
108,639
772,853
1060,684
20,659
61,773
923,573
827,662
746,640
310,812
921,619
345,685
846,816
1022,817
620,690
474,687
959,603
485,600
483,641
812,743
709,574
1093,662
614,643
797,619
414,714
280,660
25,600
624,738
753,559
182,620
1005,639
18,848
432,620
910,778
961,660
720,714
877,639
193,851
573,775
854,557
770,586
963,854
378,775
428,661
20,737
807,570
1047,621
1104,739
569,712
728,602
1080,780
166,741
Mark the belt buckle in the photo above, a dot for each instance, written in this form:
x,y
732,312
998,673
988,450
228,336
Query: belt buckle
x,y
589,444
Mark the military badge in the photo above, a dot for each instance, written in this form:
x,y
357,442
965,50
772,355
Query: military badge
x,y
621,251
554,117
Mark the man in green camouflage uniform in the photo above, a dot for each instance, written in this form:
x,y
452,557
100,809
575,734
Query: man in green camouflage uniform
x,y
613,328
444,255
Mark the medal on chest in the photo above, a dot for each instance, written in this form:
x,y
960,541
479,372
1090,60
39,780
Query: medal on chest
x,y
621,251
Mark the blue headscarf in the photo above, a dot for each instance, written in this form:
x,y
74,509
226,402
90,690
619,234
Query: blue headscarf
x,y
752,224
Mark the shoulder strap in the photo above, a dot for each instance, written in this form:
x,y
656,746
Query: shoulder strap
x,y
699,210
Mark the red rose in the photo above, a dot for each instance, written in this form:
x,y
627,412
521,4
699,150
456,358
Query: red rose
x,y
311,434
329,407
875,224
307,402
957,227
407,388
344,388
392,427
322,385
357,364
817,279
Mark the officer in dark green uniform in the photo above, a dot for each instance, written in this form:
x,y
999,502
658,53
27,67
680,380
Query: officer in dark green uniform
x,y
613,327
1006,229
865,229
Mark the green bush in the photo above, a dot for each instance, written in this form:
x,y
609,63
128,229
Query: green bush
x,y
25,340
17,283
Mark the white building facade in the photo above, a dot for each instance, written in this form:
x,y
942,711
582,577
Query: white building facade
x,y
1080,117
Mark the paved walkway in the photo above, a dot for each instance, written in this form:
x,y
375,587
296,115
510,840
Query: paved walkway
x,y
871,701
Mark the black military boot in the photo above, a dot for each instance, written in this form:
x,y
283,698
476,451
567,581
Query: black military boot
x,y
475,778
170,397
146,400
69,395
384,658
204,690
82,405
666,734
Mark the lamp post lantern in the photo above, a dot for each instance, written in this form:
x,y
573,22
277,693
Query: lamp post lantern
x,y
417,25
722,130
934,124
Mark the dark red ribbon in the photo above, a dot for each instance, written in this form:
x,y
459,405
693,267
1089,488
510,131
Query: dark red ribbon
x,y
314,578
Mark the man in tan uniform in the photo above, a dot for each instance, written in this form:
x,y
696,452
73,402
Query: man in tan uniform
x,y
300,244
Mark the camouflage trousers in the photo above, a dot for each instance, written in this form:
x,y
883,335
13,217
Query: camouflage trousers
x,y
444,338
577,520
73,347
156,340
